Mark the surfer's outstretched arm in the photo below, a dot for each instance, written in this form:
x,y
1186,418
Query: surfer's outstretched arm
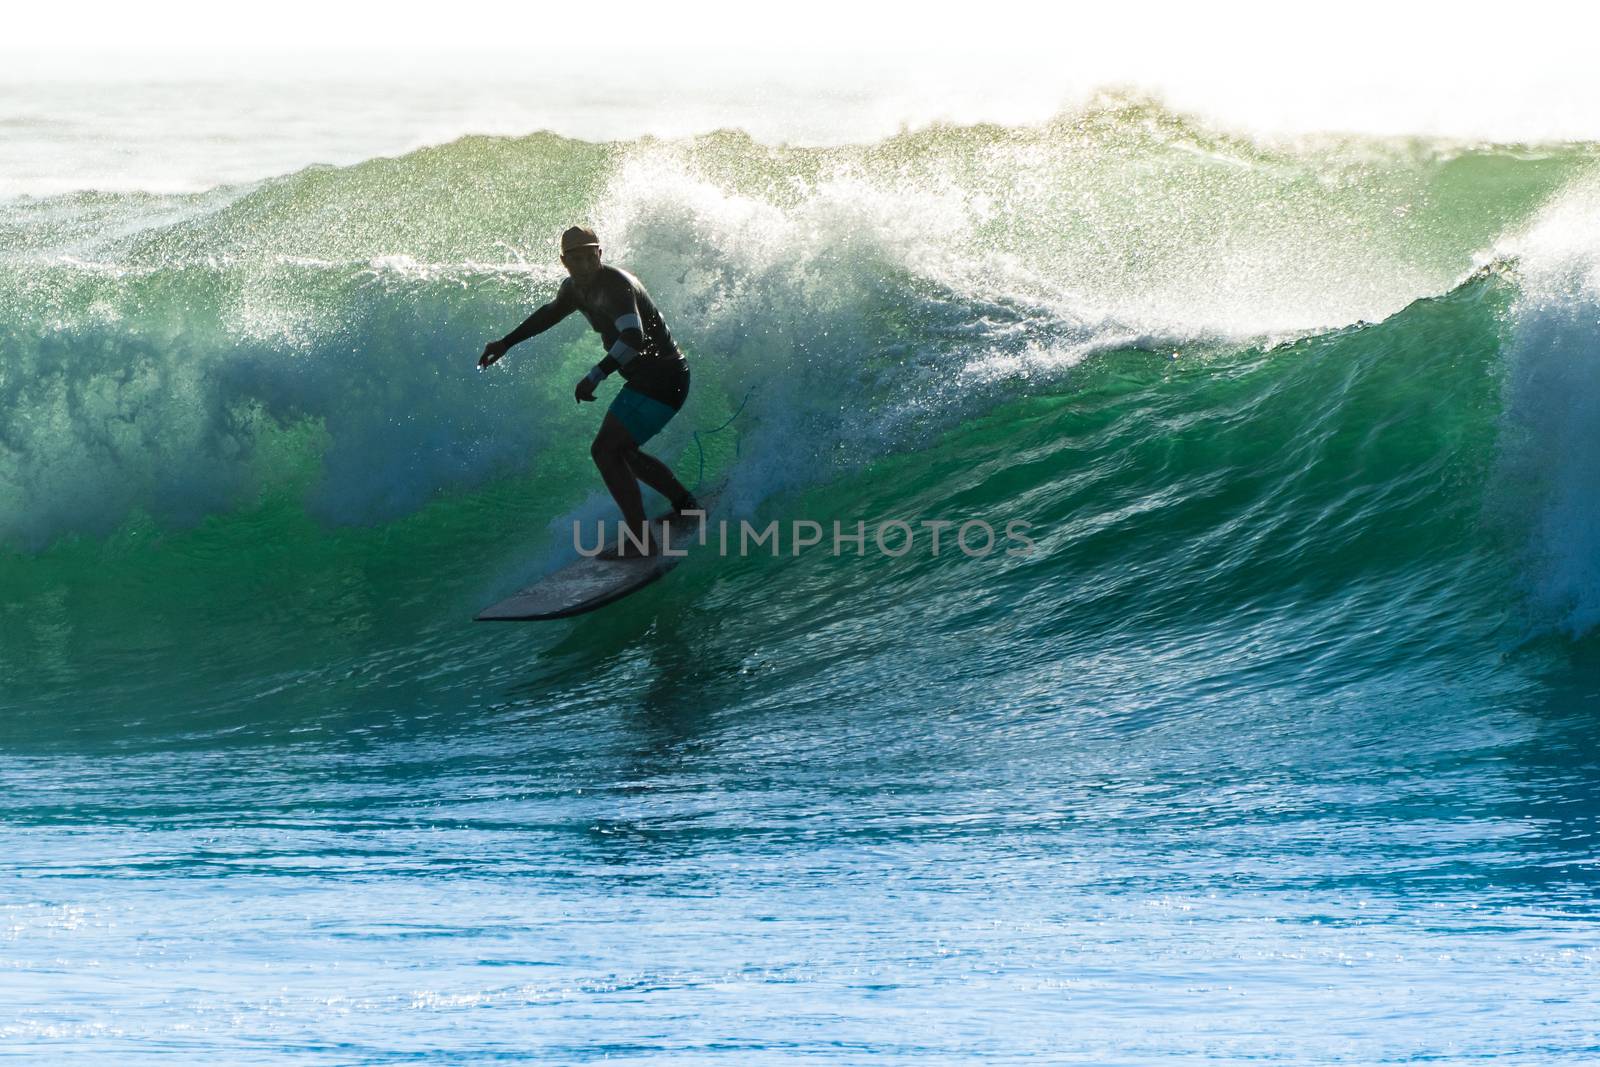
x,y
564,304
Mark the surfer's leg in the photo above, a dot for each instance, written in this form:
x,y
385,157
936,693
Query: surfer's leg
x,y
658,476
612,450
642,417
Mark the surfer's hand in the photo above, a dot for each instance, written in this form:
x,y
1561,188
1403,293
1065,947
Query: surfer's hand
x,y
585,389
491,352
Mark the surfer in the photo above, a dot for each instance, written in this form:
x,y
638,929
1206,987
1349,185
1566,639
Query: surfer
x,y
655,374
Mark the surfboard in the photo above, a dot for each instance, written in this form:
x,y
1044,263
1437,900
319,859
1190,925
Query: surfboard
x,y
588,583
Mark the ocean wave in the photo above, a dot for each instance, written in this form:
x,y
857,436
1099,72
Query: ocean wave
x,y
173,358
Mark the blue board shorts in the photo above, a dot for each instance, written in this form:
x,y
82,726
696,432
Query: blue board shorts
x,y
641,416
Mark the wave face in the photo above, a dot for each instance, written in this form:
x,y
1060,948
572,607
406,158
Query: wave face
x,y
1307,437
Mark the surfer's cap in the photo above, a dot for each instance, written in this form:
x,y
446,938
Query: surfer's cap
x,y
578,237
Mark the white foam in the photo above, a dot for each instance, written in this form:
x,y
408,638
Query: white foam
x,y
872,307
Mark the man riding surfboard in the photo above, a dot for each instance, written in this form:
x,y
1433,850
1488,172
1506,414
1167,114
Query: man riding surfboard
x,y
655,374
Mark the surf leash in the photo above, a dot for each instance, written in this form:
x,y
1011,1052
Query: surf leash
x,y
697,433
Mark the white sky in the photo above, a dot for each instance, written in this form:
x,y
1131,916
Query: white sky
x,y
1510,70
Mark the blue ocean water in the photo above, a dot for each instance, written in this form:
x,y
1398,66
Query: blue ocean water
x,y
1280,748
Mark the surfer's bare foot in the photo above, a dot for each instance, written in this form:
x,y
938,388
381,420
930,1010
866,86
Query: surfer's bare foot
x,y
689,503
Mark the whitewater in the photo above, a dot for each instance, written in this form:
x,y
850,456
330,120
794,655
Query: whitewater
x,y
1279,748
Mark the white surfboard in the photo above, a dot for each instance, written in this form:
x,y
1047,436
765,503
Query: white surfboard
x,y
588,583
